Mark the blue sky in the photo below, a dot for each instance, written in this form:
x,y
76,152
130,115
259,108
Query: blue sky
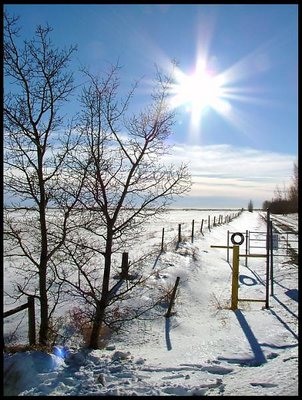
x,y
244,140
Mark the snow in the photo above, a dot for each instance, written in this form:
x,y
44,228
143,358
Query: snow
x,y
204,348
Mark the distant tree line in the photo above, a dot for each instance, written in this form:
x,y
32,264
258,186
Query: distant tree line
x,y
286,201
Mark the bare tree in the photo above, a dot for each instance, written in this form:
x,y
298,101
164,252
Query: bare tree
x,y
126,180
294,191
286,200
36,150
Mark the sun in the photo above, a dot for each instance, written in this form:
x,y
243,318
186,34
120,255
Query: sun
x,y
197,92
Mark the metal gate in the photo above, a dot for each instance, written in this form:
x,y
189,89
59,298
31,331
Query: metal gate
x,y
273,242
283,243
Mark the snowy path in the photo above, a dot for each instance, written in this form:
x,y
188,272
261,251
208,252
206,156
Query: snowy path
x,y
205,332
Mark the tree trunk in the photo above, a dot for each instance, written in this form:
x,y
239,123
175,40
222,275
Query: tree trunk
x,y
44,323
97,324
43,333
102,304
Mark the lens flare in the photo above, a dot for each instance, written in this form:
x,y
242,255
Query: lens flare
x,y
59,351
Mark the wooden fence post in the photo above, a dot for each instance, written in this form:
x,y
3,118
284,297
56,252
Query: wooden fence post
x,y
162,240
172,298
125,266
192,236
209,223
201,227
179,233
31,317
31,320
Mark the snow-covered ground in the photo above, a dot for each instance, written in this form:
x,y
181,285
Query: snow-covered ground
x,y
204,348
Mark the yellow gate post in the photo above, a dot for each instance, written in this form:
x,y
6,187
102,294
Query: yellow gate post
x,y
235,276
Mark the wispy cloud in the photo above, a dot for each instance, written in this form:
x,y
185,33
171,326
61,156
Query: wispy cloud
x,y
225,171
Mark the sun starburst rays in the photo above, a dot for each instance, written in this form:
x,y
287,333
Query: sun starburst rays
x,y
202,90
198,92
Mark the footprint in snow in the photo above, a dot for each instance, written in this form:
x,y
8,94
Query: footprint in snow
x,y
263,384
